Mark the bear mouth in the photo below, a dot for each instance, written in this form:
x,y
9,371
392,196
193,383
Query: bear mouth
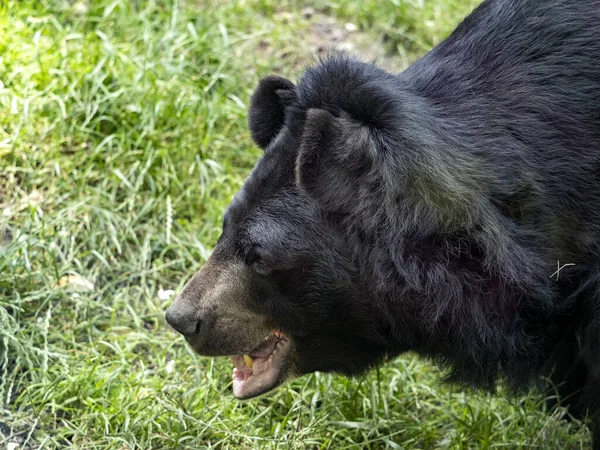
x,y
263,368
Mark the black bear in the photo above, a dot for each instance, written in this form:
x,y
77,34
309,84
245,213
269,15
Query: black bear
x,y
452,209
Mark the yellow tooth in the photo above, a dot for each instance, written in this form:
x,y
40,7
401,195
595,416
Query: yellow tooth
x,y
248,360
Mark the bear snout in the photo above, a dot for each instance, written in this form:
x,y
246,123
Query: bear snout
x,y
213,310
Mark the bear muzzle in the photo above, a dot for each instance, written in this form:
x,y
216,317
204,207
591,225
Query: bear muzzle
x,y
213,315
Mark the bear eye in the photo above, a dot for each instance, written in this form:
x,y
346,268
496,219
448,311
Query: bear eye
x,y
251,257
261,267
254,260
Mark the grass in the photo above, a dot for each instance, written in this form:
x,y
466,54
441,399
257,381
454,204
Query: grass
x,y
122,139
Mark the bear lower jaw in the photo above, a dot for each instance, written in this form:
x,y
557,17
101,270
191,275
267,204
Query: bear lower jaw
x,y
262,369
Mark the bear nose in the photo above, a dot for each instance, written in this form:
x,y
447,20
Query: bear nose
x,y
183,323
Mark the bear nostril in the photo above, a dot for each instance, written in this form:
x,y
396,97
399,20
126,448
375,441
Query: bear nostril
x,y
183,323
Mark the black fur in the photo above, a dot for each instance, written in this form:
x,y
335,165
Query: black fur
x,y
429,210
267,109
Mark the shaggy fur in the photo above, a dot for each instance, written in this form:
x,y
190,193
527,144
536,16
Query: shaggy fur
x,y
430,210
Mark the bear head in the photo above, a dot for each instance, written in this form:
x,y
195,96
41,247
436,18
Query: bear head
x,y
283,292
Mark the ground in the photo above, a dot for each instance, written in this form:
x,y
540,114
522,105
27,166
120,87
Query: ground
x,y
122,138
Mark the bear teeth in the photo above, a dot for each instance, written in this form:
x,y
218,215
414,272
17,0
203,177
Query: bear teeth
x,y
248,360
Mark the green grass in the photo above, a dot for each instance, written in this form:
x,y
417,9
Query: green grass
x,y
122,138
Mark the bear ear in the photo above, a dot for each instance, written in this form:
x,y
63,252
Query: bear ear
x,y
267,108
335,154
